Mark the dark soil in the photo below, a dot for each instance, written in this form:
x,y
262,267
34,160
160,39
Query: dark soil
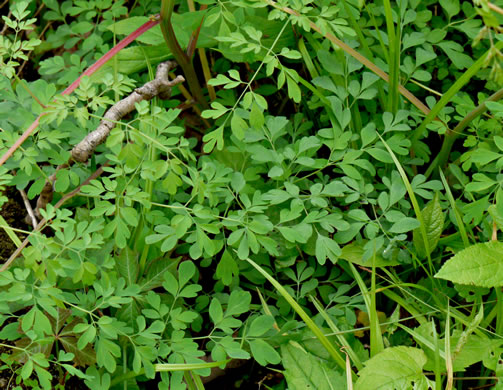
x,y
13,212
250,376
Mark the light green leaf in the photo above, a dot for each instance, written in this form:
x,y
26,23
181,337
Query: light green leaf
x,y
354,254
227,268
393,368
305,371
433,219
215,310
260,325
478,265
405,225
484,156
238,126
456,54
327,247
186,270
451,7
380,155
239,302
263,353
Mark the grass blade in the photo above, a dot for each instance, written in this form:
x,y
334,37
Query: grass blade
x,y
353,53
10,232
459,219
446,97
415,204
305,317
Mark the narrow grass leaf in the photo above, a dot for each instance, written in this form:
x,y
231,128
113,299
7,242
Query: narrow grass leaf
x,y
305,317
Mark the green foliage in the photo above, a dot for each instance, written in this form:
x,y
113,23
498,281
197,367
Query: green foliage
x,y
12,48
394,368
478,265
305,371
307,172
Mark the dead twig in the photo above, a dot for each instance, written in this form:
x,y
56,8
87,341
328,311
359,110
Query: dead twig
x,y
160,86
31,215
43,222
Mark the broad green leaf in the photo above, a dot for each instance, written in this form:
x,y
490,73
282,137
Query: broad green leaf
x,y
380,155
456,54
433,219
478,265
484,156
354,254
303,370
227,268
127,265
127,26
238,126
263,353
186,270
239,302
170,284
106,352
473,347
327,247
215,310
260,325
451,7
393,368
404,225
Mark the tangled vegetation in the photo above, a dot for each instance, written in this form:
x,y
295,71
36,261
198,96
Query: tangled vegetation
x,y
313,187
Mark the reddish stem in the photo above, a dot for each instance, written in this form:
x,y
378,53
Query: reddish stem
x,y
93,68
112,52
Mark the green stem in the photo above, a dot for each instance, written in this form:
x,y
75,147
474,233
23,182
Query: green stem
x,y
499,305
394,56
446,97
452,135
181,58
356,27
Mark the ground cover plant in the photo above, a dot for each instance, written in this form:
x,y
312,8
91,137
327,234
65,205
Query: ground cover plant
x,y
308,190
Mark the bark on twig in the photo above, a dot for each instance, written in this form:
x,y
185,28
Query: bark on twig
x,y
160,86
31,215
43,222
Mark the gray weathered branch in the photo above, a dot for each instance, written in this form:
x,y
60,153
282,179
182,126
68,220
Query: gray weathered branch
x,y
160,86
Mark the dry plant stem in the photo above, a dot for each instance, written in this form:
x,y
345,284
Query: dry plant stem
x,y
495,8
160,86
31,214
47,192
43,222
5,27
353,53
93,68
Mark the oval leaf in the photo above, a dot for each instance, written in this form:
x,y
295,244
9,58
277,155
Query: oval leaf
x,y
479,265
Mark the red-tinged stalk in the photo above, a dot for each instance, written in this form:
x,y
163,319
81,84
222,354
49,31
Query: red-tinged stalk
x,y
92,69
181,57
